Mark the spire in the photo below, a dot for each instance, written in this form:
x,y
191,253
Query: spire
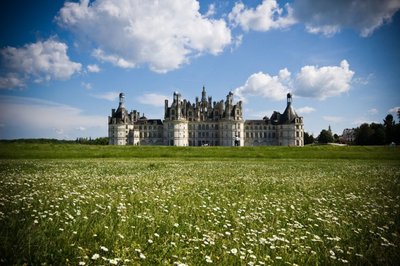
x,y
289,99
203,95
121,100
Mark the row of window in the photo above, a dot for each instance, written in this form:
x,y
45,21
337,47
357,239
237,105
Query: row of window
x,y
260,135
260,127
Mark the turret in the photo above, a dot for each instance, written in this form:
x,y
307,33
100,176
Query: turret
x,y
121,100
289,99
203,95
166,109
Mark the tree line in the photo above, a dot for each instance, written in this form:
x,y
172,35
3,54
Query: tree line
x,y
378,134
366,134
86,141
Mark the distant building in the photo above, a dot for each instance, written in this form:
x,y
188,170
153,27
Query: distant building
x,y
348,135
205,123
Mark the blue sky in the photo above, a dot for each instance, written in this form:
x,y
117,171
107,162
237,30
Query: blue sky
x,y
64,63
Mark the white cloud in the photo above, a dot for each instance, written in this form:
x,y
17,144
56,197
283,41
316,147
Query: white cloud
x,y
394,110
154,99
311,81
93,68
210,11
109,96
333,119
266,16
305,110
264,85
323,82
29,116
11,80
39,62
161,34
113,59
329,17
364,80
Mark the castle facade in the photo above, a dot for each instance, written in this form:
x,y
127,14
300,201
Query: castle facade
x,y
205,123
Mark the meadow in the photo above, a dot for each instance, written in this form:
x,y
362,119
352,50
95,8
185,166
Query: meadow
x,y
91,205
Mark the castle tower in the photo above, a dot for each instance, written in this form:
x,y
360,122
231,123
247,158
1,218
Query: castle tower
x,y
121,100
120,124
291,131
176,124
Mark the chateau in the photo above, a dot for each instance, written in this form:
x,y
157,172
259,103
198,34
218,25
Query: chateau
x,y
205,123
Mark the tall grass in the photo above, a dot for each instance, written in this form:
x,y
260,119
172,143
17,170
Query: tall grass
x,y
175,211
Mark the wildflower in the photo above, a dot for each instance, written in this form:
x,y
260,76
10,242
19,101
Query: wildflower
x,y
142,256
176,224
150,241
82,263
234,251
208,259
104,248
95,256
114,261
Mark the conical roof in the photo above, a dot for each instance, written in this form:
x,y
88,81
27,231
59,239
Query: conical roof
x,y
288,116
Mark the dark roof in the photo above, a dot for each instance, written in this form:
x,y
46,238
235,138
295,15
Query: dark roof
x,y
255,122
120,115
288,116
149,122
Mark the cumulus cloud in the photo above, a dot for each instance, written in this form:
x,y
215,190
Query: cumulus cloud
x,y
161,34
154,99
311,81
113,59
109,96
32,117
329,17
264,85
305,110
11,80
323,82
266,16
93,68
40,61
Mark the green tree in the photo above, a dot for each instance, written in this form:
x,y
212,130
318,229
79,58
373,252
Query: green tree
x,y
378,134
308,139
325,136
389,124
336,138
363,134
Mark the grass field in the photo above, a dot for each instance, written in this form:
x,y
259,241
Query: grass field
x,y
91,205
